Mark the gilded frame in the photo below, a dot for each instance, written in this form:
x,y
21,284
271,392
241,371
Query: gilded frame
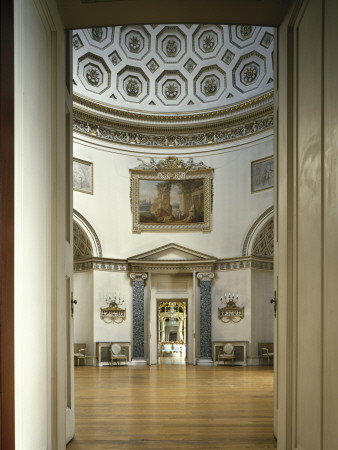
x,y
88,181
262,174
165,174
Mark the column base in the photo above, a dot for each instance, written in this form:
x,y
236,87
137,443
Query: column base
x,y
138,362
205,362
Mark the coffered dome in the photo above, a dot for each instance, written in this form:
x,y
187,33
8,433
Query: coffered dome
x,y
165,77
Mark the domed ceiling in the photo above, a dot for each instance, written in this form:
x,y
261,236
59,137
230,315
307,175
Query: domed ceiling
x,y
170,85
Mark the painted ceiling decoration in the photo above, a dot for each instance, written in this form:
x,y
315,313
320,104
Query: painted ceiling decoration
x,y
173,85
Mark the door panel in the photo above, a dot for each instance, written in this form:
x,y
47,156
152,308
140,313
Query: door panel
x,y
307,217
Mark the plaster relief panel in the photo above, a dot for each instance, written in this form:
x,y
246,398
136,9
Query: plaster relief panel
x,y
190,65
152,65
267,40
115,58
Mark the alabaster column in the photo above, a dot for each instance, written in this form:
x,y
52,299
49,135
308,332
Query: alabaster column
x,y
205,314
138,314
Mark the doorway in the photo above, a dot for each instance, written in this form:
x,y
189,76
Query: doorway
x,y
172,331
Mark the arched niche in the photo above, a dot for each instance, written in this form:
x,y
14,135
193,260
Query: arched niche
x,y
88,230
259,239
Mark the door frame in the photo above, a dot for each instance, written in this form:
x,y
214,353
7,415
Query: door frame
x,y
7,412
7,409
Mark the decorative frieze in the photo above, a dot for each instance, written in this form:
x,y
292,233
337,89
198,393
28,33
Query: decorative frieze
x,y
90,127
173,266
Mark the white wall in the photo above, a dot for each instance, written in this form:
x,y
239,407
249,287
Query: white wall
x,y
262,315
83,311
111,284
237,282
234,209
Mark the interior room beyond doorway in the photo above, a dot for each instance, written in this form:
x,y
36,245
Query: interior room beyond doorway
x,y
172,335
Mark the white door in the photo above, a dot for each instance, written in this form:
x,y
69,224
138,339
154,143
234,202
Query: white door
x,y
306,232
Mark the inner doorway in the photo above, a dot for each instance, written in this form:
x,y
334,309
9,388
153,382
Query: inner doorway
x,y
172,331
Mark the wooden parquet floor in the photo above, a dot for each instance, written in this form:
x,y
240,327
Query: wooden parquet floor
x,y
173,407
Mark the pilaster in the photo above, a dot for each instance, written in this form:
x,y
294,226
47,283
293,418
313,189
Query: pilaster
x,y
205,317
138,314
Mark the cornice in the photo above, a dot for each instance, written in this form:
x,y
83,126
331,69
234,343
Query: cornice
x,y
122,115
216,265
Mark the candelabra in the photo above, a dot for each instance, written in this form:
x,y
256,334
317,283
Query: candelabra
x,y
114,303
230,312
229,300
113,312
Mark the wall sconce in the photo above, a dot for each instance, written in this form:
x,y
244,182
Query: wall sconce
x,y
230,312
113,312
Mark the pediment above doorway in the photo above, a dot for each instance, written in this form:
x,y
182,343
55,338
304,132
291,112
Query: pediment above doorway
x,y
172,257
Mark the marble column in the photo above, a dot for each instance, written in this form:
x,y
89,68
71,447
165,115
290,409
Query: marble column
x,y
205,315
138,314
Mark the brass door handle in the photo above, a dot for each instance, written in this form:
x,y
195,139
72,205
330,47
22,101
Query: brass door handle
x,y
72,303
273,302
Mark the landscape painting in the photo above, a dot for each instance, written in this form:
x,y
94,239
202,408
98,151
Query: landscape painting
x,y
175,202
171,195
262,174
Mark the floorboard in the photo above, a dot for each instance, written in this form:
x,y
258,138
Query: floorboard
x,y
173,407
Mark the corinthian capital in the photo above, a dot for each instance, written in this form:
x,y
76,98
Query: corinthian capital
x,y
205,276
138,276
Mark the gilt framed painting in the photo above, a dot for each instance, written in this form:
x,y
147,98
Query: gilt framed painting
x,y
171,195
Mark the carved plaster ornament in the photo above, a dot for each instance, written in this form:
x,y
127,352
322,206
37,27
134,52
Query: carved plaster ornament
x,y
171,90
97,33
245,31
171,48
210,86
134,43
250,74
93,76
208,43
138,276
133,88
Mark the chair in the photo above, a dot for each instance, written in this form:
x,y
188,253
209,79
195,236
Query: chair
x,y
116,355
227,354
266,352
166,348
177,348
80,355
